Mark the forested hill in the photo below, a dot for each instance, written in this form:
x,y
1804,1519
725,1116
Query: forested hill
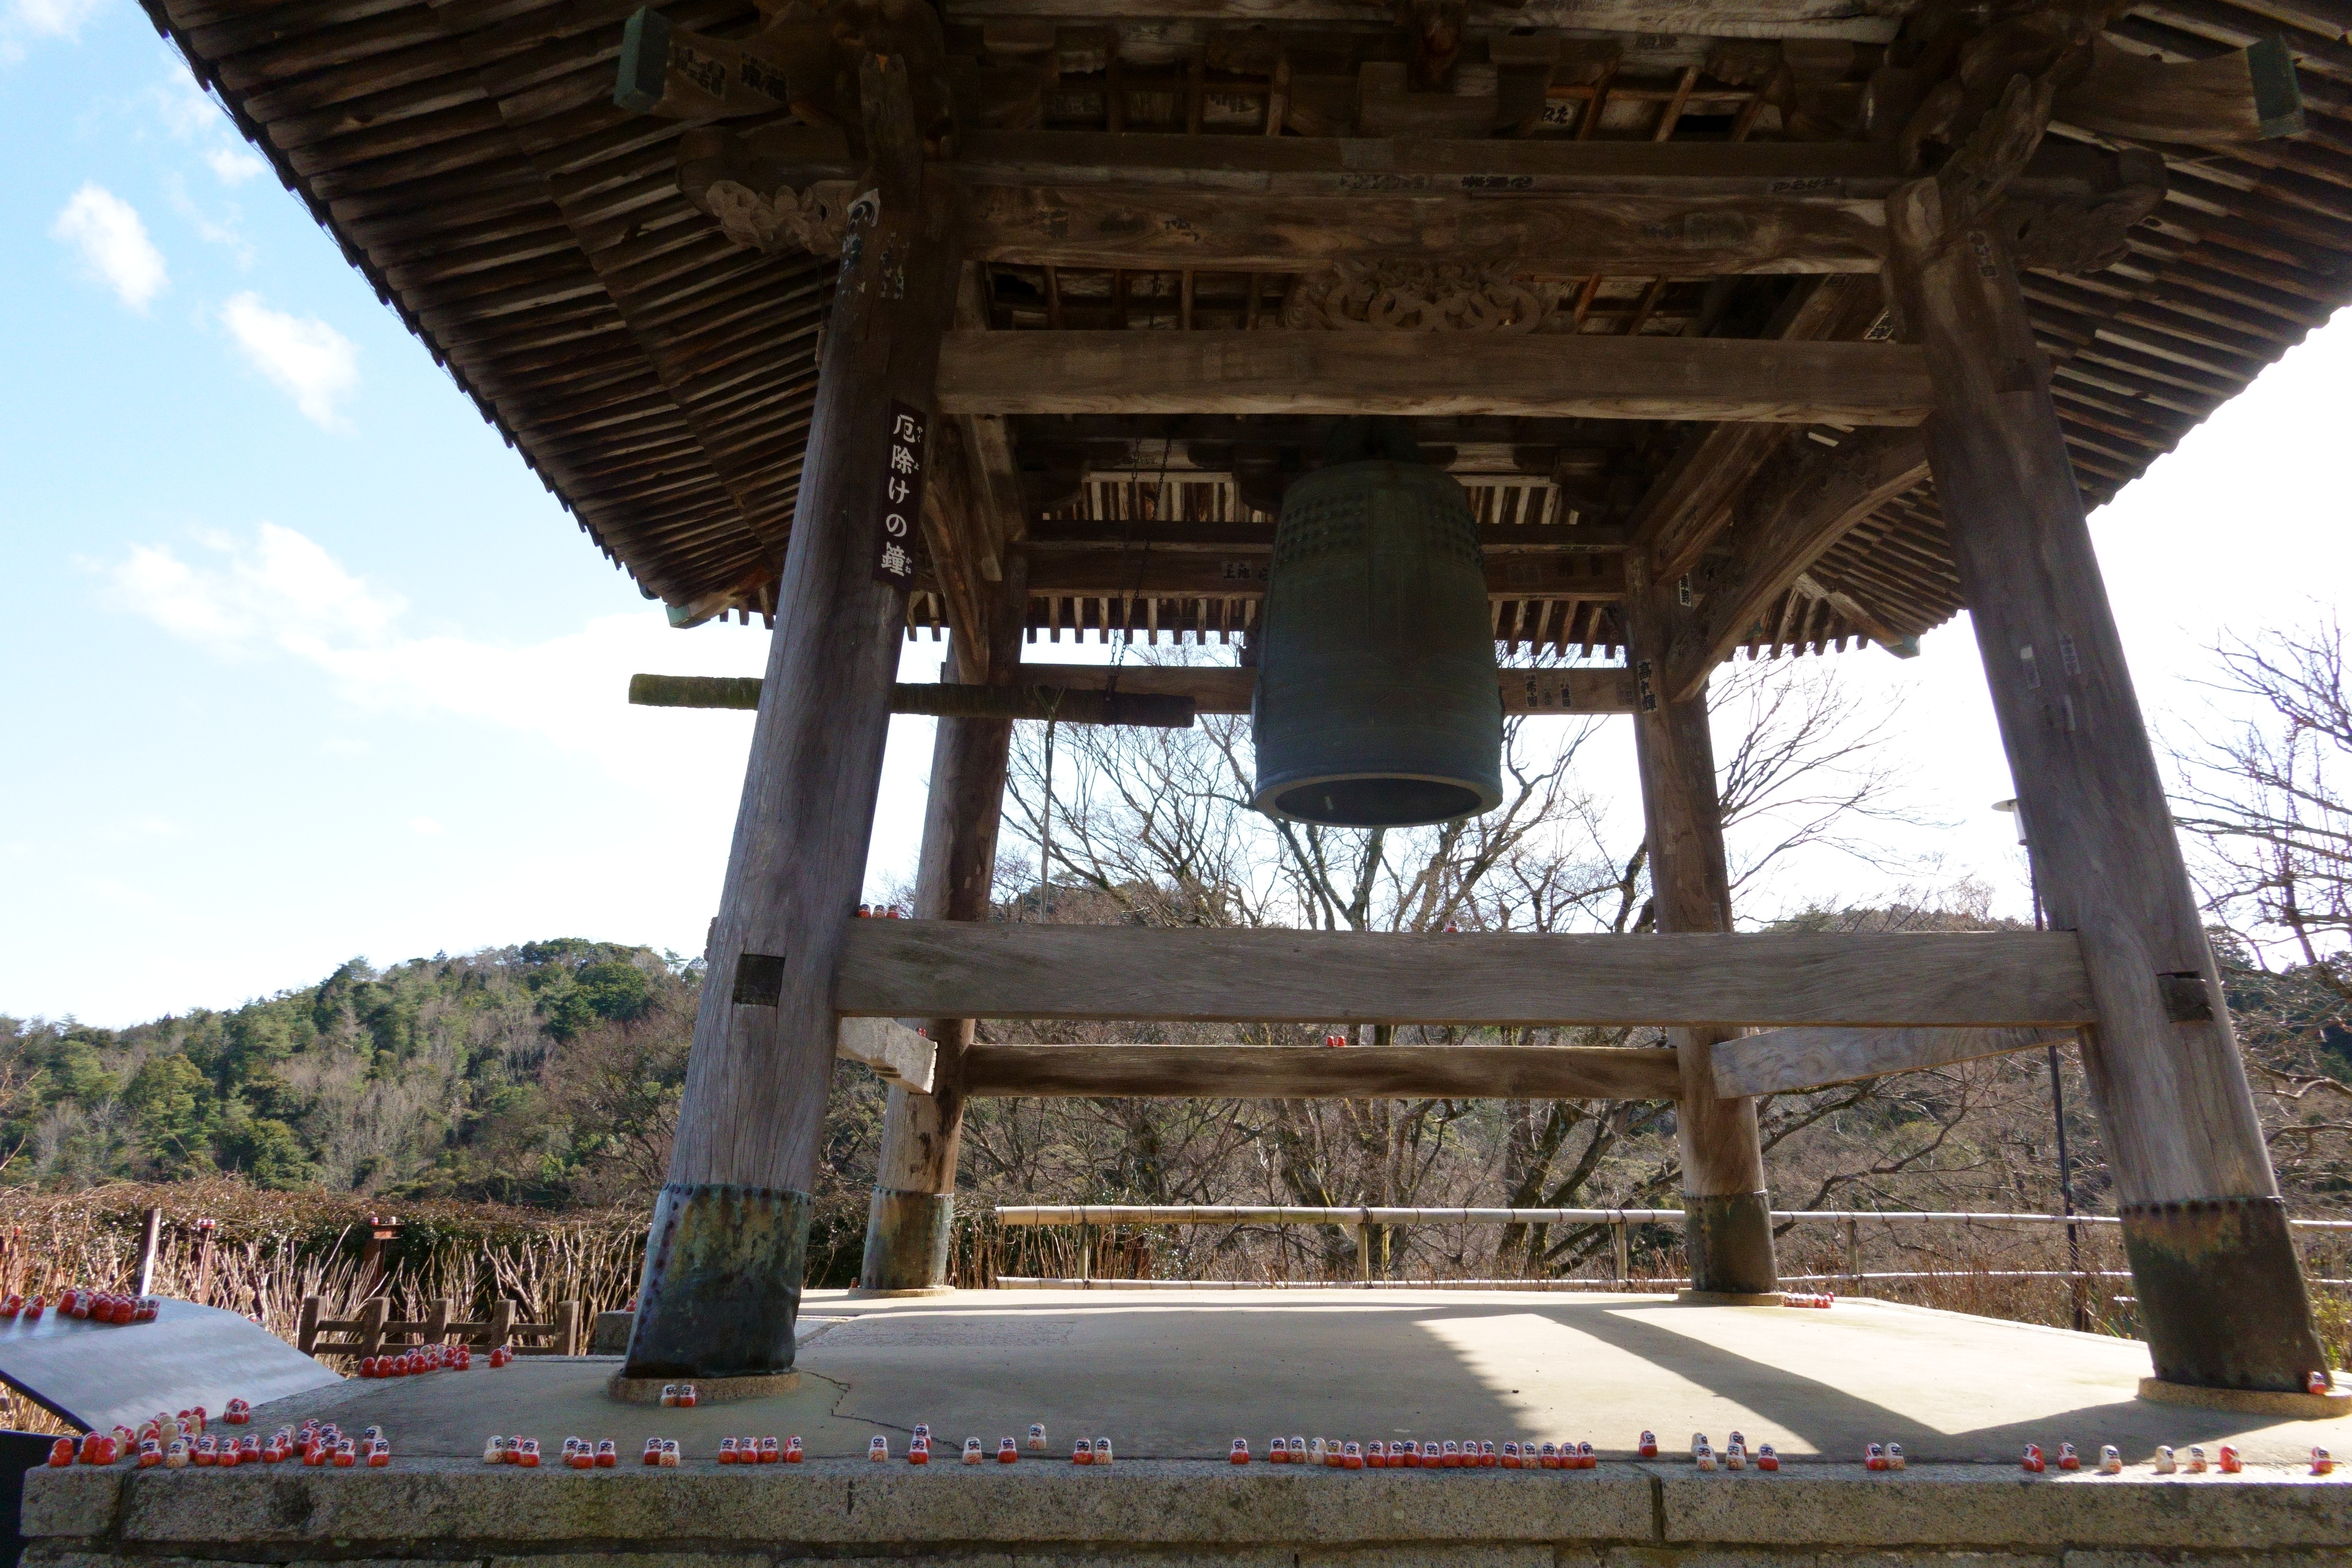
x,y
539,1074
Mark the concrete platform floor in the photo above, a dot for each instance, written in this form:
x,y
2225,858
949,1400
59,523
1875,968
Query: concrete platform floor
x,y
1178,1375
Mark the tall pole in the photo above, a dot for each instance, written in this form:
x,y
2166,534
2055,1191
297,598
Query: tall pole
x,y
910,1221
2220,1291
1728,1214
724,1260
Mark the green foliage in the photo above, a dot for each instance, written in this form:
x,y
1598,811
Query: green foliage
x,y
544,1075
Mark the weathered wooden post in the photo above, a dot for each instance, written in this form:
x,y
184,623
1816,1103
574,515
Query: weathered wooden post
x,y
2220,1291
909,1222
150,1241
1727,1224
724,1264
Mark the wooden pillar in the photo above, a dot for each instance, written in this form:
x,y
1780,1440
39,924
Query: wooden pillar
x,y
723,1263
909,1222
2221,1292
1727,1224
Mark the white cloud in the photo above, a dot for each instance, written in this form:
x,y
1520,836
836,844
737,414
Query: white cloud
x,y
24,19
425,827
234,166
305,358
106,230
278,594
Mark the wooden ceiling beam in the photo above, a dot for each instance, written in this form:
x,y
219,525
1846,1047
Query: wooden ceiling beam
x,y
954,969
1113,534
1553,235
1241,573
1383,372
1792,515
1642,18
1314,1072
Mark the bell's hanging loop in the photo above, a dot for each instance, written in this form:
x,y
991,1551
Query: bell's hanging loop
x,y
1377,703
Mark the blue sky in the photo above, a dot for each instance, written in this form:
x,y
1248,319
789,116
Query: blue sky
x,y
301,663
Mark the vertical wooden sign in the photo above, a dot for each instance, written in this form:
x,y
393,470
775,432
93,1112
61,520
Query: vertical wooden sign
x,y
902,497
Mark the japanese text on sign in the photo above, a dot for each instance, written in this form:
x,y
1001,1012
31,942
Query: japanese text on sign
x,y
902,497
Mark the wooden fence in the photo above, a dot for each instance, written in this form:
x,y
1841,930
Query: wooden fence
x,y
375,1330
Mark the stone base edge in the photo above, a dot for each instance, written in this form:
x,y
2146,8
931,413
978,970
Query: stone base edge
x,y
861,1294
707,1389
2249,1401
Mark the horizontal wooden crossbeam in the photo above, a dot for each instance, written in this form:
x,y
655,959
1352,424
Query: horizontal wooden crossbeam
x,y
1603,690
950,969
1554,234
1777,1060
1562,376
1283,1072
894,1051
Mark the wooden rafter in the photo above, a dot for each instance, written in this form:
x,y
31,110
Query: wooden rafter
x,y
1794,513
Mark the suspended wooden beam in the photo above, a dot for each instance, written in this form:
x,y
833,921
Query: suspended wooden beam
x,y
1777,1062
1606,689
894,1051
1283,1072
1793,513
1083,704
1396,373
953,969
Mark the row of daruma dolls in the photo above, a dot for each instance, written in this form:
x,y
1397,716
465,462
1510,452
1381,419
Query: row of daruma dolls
x,y
315,1443
81,1301
1408,1454
430,1357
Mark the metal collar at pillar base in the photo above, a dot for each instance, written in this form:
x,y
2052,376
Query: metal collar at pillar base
x,y
722,1284
1729,1298
2221,1295
1729,1239
906,1237
627,1390
2329,1406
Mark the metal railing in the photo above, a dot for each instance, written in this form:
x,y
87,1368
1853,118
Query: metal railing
x,y
1089,1217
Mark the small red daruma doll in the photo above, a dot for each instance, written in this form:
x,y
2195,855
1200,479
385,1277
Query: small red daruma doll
x,y
1648,1447
1008,1453
1768,1457
1083,1454
608,1454
972,1452
2032,1463
1239,1454
1352,1457
793,1453
61,1453
2231,1464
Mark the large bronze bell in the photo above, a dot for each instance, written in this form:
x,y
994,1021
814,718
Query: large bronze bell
x,y
1377,704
